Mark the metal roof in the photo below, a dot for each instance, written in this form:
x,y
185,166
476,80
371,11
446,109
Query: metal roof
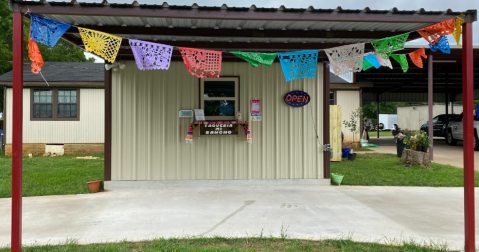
x,y
67,73
228,28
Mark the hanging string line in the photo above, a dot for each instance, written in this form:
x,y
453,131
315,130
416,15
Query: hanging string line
x,y
42,74
176,48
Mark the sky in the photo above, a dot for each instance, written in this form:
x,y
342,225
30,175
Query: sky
x,y
428,5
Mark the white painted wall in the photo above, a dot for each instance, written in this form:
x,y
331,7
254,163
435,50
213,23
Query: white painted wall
x,y
412,117
89,129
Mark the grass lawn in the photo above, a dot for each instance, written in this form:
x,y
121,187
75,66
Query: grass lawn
x,y
236,244
374,169
51,175
381,133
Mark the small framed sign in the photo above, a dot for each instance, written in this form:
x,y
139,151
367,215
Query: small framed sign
x,y
200,114
185,113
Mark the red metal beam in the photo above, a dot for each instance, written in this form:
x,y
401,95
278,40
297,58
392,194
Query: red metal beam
x,y
467,94
430,94
17,125
230,14
326,126
108,111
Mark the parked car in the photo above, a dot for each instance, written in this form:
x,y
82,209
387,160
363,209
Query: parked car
x,y
455,132
439,124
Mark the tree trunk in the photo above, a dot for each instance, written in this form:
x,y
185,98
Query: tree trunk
x,y
412,158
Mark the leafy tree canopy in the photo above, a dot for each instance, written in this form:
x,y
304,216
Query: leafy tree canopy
x,y
62,52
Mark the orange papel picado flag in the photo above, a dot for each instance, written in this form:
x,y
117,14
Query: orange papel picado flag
x,y
35,55
416,57
433,33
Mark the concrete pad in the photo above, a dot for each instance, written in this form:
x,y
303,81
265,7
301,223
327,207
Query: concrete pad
x,y
137,211
443,153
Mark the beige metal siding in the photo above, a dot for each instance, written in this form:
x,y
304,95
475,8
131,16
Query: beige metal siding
x,y
349,101
148,136
89,129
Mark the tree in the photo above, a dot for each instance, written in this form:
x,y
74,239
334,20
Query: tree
x,y
62,52
370,108
353,123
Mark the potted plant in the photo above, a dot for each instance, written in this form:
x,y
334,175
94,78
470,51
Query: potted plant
x,y
423,141
351,155
410,140
94,186
353,123
336,178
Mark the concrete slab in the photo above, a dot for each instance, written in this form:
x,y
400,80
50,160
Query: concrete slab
x,y
443,153
137,211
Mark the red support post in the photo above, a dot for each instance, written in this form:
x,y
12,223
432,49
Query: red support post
x,y
17,128
430,94
467,94
326,126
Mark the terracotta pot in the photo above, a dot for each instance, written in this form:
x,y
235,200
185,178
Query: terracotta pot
x,y
94,186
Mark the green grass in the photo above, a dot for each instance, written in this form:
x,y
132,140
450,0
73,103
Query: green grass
x,y
374,169
381,133
239,244
51,175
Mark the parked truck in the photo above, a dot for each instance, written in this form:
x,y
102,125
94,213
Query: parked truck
x,y
455,131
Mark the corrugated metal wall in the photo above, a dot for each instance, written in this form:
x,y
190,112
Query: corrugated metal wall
x,y
458,97
412,119
148,136
349,101
90,128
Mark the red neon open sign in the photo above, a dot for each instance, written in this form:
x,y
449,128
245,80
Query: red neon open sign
x,y
297,98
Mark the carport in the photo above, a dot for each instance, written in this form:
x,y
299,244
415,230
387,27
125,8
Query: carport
x,y
228,28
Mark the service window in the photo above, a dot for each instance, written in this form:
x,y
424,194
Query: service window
x,y
219,97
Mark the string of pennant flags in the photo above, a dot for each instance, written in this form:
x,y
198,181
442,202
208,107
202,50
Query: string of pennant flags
x,y
207,63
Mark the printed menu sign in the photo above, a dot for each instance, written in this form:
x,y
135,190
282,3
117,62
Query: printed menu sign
x,y
256,110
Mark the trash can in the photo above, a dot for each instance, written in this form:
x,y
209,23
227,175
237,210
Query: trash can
x,y
345,152
400,145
